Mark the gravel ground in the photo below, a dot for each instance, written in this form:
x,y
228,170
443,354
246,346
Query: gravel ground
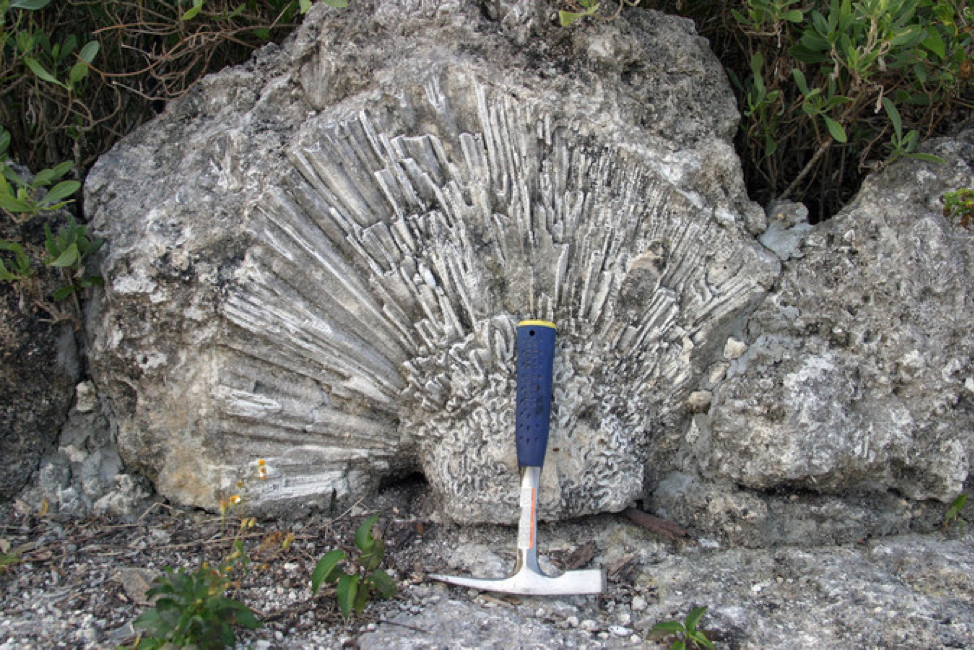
x,y
81,582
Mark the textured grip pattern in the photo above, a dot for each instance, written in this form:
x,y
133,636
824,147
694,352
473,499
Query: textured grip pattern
x,y
535,357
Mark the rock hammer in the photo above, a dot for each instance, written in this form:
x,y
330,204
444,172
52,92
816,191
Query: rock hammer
x,y
535,359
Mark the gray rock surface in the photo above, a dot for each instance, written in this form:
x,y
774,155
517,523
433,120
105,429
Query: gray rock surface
x,y
318,258
911,591
852,404
906,592
85,474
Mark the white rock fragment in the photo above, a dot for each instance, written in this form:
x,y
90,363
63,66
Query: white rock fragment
x,y
734,349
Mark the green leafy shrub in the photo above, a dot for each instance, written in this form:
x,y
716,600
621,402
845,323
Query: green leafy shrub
x,y
684,634
67,251
831,89
79,74
959,206
191,608
363,579
953,518
7,558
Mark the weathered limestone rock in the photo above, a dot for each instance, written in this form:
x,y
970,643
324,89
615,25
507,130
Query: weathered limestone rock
x,y
318,259
910,591
853,402
84,474
39,367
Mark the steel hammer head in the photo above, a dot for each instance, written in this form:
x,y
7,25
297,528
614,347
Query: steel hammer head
x,y
528,582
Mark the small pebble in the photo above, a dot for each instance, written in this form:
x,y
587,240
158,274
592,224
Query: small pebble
x,y
619,630
589,625
572,621
734,349
638,604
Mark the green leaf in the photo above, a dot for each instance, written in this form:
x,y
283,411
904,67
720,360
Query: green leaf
x,y
6,275
363,536
928,157
346,590
678,645
89,51
62,168
191,13
39,71
371,558
794,16
59,192
13,176
68,258
894,115
835,129
77,72
148,618
63,292
90,281
694,617
384,584
935,43
957,504
908,38
757,63
4,141
700,639
361,599
800,80
47,176
326,565
246,618
566,18
29,5
10,246
668,627
338,4
14,204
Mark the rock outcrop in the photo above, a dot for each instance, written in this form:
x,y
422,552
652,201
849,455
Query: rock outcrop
x,y
318,259
847,408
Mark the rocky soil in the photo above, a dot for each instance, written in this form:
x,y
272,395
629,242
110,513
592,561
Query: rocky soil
x,y
81,582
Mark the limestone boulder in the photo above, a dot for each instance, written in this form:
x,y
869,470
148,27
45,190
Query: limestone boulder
x,y
317,259
846,405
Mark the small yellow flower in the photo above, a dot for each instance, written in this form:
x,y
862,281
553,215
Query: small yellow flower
x,y
235,499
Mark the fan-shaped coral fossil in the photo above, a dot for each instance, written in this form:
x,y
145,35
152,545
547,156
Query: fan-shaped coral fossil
x,y
355,319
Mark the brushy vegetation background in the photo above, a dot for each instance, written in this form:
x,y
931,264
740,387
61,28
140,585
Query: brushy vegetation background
x,y
828,90
811,76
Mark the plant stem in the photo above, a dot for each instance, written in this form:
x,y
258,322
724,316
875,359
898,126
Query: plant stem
x,y
822,148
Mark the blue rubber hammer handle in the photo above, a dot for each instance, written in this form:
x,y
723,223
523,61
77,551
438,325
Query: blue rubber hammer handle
x,y
535,358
